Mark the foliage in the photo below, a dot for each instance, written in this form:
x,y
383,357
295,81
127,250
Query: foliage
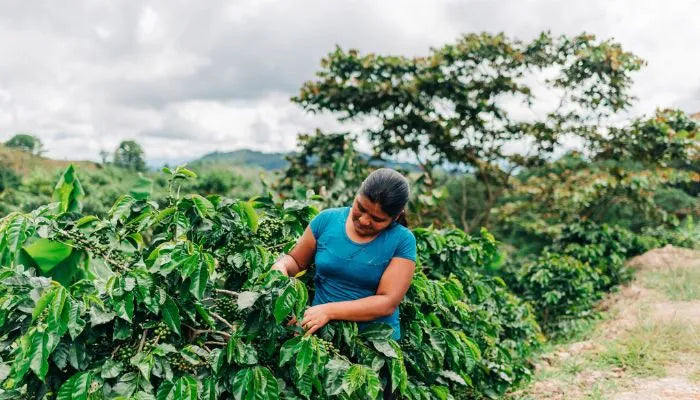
x,y
686,234
328,164
129,155
668,138
562,290
603,247
502,325
29,143
451,106
570,189
178,301
104,186
9,179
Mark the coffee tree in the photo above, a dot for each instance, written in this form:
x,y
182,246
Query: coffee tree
x,y
179,302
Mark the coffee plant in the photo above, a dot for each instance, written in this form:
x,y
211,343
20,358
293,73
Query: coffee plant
x,y
562,289
179,302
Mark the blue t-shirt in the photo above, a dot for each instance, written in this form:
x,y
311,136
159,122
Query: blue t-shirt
x,y
347,270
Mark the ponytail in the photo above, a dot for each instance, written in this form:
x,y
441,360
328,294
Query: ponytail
x,y
402,220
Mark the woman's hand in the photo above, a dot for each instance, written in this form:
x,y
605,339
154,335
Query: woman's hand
x,y
316,317
279,266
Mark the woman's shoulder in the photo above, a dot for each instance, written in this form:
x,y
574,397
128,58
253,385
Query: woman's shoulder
x,y
332,212
327,217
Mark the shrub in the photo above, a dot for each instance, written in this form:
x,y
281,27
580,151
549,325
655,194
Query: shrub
x,y
562,289
180,302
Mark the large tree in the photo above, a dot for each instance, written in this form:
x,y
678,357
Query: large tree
x,y
463,103
129,155
25,142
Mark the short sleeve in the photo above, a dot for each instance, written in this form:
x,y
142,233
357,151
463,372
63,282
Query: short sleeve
x,y
319,223
407,246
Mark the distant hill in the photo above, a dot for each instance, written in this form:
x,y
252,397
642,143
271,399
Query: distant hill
x,y
267,161
23,162
273,161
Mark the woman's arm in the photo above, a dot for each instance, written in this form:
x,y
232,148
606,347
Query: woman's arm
x,y
299,258
392,287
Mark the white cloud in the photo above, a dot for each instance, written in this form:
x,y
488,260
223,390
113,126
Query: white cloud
x,y
186,78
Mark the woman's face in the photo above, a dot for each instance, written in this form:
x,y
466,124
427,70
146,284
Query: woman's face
x,y
368,218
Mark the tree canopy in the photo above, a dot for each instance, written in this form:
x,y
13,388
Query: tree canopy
x,y
26,142
455,105
129,155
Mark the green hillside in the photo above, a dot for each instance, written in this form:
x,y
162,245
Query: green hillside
x,y
275,161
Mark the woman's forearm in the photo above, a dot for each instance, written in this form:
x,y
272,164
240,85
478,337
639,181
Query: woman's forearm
x,y
364,309
287,265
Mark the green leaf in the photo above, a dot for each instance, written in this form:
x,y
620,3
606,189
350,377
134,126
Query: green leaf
x,y
136,240
302,298
202,206
185,172
121,209
111,369
47,253
77,387
440,392
198,281
16,234
43,302
373,385
209,391
399,375
335,371
248,214
127,385
385,348
68,191
289,349
86,220
256,383
305,354
122,330
59,312
60,355
145,363
377,331
39,354
184,388
354,378
125,307
285,304
240,352
171,315
99,317
453,376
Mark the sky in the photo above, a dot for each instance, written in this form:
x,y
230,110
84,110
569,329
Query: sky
x,y
185,78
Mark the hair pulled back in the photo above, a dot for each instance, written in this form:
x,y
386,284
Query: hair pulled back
x,y
390,189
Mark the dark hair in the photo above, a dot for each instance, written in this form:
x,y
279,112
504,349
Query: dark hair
x,y
390,189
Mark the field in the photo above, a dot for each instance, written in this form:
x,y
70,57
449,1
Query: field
x,y
542,275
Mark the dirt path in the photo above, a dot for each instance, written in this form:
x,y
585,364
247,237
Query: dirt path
x,y
646,347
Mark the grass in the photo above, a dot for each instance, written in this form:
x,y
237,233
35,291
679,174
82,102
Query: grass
x,y
646,350
695,376
679,284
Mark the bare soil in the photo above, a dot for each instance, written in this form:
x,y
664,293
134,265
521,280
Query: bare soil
x,y
575,370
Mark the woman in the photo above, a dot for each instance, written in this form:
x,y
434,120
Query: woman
x,y
364,256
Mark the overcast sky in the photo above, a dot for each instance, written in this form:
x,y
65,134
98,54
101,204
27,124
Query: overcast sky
x,y
185,78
